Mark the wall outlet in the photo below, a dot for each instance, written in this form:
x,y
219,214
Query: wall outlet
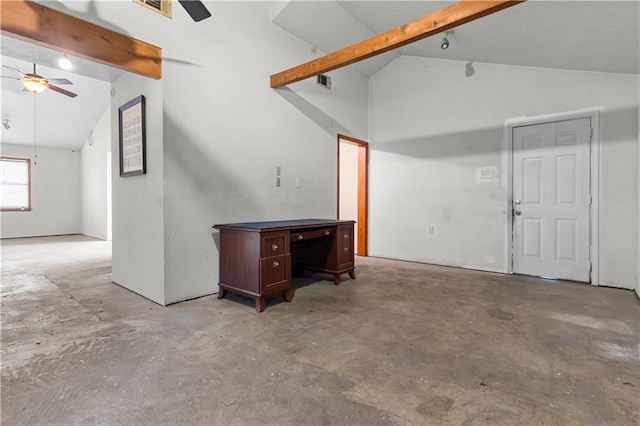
x,y
431,229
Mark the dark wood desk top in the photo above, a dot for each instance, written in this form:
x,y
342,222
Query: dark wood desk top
x,y
283,224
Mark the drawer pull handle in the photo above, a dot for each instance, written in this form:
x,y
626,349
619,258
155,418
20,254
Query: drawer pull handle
x,y
346,236
327,232
274,247
300,236
346,249
276,263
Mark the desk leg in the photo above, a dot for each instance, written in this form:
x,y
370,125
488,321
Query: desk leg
x,y
222,293
352,274
260,304
288,295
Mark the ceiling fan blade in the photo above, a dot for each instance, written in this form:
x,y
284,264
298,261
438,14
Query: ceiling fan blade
x,y
59,81
61,90
196,9
12,78
14,70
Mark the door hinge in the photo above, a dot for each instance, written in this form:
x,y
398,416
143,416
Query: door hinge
x,y
590,270
590,132
590,200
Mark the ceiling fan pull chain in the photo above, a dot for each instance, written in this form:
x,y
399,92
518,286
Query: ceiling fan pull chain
x,y
35,134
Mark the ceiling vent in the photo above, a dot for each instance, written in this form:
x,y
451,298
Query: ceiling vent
x,y
161,6
324,80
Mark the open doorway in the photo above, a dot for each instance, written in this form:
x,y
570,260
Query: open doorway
x,y
353,158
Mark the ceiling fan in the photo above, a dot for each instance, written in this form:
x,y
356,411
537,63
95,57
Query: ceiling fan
x,y
196,9
35,83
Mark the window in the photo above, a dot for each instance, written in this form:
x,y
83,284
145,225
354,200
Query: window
x,y
15,177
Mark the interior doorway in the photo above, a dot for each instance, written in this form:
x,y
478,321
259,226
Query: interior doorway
x,y
552,186
353,159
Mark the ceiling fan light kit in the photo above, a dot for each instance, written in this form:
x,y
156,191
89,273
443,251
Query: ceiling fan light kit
x,y
33,85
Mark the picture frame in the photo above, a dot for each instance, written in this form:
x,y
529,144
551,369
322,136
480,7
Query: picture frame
x,y
132,137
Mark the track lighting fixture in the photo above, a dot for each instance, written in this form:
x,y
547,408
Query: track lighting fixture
x,y
445,40
445,43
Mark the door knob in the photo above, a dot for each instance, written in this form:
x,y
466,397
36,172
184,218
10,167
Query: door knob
x,y
517,202
517,212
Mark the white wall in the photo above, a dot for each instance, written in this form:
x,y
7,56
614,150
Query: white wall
x,y
93,180
431,128
349,184
223,133
138,217
224,140
55,194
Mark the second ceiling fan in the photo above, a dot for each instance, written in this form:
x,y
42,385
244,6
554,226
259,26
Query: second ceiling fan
x,y
196,9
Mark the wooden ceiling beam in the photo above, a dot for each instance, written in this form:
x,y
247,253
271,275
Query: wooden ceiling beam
x,y
431,24
34,23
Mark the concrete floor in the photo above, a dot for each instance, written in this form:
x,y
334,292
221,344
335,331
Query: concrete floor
x,y
405,343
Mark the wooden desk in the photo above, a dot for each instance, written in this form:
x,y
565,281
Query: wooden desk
x,y
257,258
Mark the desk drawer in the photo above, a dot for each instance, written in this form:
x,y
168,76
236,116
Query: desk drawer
x,y
313,233
275,271
273,244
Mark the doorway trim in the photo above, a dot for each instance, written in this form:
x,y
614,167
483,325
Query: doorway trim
x,y
594,150
363,191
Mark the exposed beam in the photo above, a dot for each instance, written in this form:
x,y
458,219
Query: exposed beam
x,y
433,23
34,23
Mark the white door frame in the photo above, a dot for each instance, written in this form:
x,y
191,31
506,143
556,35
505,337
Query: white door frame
x,y
507,178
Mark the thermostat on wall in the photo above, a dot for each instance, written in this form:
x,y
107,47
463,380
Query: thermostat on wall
x,y
486,173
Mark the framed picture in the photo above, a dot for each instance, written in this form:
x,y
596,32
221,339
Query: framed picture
x,y
133,147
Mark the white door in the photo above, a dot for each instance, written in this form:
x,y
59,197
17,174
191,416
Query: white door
x,y
551,198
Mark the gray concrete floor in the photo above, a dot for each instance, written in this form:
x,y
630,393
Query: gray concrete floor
x,y
405,343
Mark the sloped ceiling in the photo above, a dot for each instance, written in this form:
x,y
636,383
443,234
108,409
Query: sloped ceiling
x,y
577,35
581,35
60,122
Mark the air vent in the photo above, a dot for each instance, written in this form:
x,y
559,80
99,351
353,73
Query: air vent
x,y
161,6
324,80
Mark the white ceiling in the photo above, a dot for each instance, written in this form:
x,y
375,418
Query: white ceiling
x,y
578,35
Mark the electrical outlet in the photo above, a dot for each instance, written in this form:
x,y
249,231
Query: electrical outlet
x,y
431,229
